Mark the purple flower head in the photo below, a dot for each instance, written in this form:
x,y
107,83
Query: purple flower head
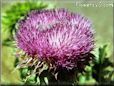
x,y
57,36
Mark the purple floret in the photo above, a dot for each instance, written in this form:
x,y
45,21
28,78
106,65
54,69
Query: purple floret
x,y
58,36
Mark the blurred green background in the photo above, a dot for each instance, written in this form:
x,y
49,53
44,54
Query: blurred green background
x,y
102,18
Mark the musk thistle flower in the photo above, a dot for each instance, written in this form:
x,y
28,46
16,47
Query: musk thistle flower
x,y
60,38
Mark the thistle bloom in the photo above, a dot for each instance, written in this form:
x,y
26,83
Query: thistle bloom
x,y
57,36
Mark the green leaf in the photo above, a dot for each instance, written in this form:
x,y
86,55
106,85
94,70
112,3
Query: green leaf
x,y
31,79
23,72
102,54
82,79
